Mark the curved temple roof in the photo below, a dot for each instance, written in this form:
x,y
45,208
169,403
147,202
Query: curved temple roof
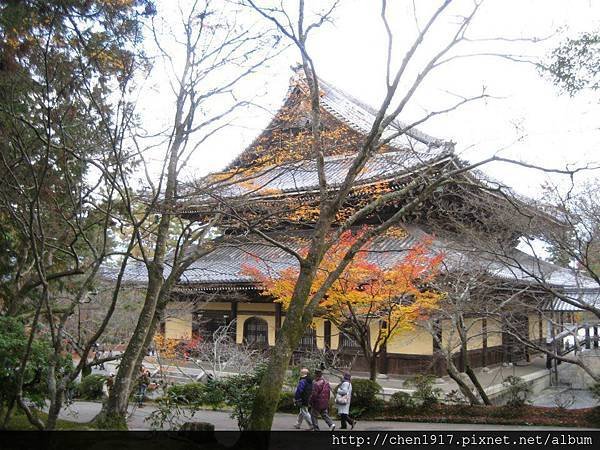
x,y
408,151
226,267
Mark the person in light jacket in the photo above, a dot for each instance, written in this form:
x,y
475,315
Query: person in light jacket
x,y
343,398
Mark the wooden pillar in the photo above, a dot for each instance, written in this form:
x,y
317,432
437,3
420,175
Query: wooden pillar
x,y
588,341
327,334
233,311
278,315
277,318
484,343
596,336
552,344
562,321
383,360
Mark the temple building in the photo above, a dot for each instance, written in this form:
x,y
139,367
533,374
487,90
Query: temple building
x,y
275,183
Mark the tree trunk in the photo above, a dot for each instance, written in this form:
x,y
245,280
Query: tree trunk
x,y
55,407
55,400
114,412
373,366
267,396
464,388
269,390
463,334
9,410
477,384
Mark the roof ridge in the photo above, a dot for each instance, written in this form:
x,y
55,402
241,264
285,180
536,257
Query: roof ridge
x,y
413,132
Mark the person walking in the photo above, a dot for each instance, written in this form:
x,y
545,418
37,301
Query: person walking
x,y
143,382
319,401
99,356
108,385
343,398
301,397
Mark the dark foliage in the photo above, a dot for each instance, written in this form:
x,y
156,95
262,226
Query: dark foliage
x,y
90,387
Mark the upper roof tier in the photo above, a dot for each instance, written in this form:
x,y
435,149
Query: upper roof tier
x,y
279,159
301,176
345,120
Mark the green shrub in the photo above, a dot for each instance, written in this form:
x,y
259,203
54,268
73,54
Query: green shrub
x,y
13,343
239,392
425,395
401,401
518,392
187,393
377,407
213,395
286,403
197,394
90,387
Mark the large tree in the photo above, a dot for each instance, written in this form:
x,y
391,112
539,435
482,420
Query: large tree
x,y
207,54
64,72
574,65
384,128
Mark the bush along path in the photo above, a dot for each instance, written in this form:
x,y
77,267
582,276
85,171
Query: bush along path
x,y
227,402
83,412
424,405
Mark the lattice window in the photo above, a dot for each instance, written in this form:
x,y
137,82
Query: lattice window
x,y
256,332
205,323
309,339
346,340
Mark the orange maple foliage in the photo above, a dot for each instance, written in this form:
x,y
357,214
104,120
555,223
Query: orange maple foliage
x,y
165,347
367,293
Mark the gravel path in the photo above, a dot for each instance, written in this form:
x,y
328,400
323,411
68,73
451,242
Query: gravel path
x,y
85,411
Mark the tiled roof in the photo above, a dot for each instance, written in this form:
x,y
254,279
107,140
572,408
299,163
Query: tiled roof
x,y
409,151
302,176
361,117
226,265
588,297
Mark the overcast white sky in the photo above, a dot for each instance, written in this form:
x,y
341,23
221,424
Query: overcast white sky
x,y
530,121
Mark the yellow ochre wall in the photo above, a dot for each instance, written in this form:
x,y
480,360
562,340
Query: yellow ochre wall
x,y
474,336
494,333
449,335
534,326
335,337
179,327
262,307
414,342
319,324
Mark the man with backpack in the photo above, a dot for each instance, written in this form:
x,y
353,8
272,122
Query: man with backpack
x,y
301,397
319,401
